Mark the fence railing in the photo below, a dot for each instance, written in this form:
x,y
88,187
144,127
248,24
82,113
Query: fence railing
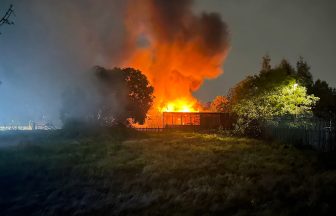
x,y
169,128
321,138
150,129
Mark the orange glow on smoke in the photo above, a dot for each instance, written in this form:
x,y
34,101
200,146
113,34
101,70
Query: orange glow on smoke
x,y
175,62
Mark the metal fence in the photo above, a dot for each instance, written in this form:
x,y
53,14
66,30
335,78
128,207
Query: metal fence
x,y
322,139
150,129
318,134
169,128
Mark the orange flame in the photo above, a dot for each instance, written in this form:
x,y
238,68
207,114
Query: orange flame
x,y
179,105
176,49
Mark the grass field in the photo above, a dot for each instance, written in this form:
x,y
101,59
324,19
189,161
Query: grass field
x,y
177,173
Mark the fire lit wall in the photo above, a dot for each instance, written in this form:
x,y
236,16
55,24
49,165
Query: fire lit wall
x,y
179,118
202,120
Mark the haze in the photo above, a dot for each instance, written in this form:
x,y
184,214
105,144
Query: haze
x,y
53,44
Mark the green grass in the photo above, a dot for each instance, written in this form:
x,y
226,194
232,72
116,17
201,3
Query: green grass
x,y
176,173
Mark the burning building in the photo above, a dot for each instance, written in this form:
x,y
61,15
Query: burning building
x,y
177,49
197,120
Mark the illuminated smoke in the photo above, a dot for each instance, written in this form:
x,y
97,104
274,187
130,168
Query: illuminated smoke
x,y
176,48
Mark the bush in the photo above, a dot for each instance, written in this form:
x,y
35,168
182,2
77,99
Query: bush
x,y
248,127
77,129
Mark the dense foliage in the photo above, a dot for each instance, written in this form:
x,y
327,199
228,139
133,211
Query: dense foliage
x,y
131,90
113,97
326,106
220,104
273,92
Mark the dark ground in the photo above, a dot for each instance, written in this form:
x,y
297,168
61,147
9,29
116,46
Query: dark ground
x,y
117,172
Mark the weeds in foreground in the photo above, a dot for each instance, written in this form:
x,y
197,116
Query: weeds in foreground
x,y
162,174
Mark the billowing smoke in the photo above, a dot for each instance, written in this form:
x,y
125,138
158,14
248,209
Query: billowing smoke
x,y
54,44
176,48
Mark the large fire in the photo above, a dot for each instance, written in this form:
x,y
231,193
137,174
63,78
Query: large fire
x,y
176,49
179,105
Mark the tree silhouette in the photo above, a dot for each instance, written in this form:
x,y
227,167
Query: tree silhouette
x,y
116,96
305,78
5,20
266,64
326,107
286,66
130,89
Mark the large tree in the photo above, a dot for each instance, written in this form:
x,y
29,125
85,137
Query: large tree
x,y
267,95
289,99
131,90
114,97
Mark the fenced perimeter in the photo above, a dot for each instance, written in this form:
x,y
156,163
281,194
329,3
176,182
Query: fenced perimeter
x,y
323,139
150,129
165,129
313,132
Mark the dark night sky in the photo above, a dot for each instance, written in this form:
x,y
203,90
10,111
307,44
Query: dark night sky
x,y
283,29
51,43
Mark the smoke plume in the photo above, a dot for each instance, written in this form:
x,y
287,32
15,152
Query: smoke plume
x,y
176,48
54,44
